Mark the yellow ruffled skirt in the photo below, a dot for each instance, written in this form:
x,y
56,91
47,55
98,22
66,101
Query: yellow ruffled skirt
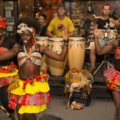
x,y
33,94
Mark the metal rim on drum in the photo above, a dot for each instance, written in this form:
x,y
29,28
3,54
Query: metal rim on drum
x,y
112,30
101,30
41,38
111,38
56,39
76,38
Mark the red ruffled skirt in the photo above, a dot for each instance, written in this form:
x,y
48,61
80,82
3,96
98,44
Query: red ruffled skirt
x,y
113,78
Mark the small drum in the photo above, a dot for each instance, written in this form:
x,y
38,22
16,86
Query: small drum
x,y
56,67
43,41
76,52
102,34
112,34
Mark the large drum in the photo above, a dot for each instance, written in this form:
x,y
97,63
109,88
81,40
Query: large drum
x,y
76,52
56,67
43,41
112,34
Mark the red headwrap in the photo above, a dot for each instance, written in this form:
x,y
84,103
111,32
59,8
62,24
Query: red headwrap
x,y
3,22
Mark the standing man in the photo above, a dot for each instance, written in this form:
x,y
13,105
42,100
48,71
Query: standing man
x,y
57,24
103,23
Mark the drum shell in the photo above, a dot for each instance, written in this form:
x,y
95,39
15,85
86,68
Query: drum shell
x,y
43,41
76,54
56,67
112,34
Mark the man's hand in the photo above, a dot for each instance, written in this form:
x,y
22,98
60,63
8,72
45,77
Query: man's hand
x,y
96,32
65,33
112,20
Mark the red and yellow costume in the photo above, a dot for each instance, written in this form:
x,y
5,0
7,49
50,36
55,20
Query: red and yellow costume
x,y
113,73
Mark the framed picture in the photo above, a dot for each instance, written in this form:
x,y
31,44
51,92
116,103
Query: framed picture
x,y
9,28
10,20
9,5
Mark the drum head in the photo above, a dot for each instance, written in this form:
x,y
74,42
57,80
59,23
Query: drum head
x,y
76,38
41,38
56,39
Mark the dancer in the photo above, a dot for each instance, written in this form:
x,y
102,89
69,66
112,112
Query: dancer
x,y
7,69
113,73
29,92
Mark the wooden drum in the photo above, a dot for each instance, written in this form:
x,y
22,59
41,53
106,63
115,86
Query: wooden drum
x,y
76,52
56,67
112,34
43,41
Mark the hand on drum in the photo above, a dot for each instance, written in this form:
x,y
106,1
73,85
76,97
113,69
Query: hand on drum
x,y
96,32
112,20
65,33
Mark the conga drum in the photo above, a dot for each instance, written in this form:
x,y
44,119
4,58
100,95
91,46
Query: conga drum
x,y
112,34
43,41
56,67
76,52
102,34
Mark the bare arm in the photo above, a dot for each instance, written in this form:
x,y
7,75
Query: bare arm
x,y
48,33
54,55
107,48
70,34
10,54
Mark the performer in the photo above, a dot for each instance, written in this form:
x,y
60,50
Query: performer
x,y
7,69
103,23
29,92
57,24
113,73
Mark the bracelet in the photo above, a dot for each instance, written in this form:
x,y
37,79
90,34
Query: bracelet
x,y
66,45
66,41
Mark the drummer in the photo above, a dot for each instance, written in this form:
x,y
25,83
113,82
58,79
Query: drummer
x,y
58,23
103,23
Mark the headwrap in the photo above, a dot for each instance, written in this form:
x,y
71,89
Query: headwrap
x,y
23,27
3,22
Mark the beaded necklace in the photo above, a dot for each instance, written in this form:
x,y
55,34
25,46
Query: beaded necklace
x,y
29,55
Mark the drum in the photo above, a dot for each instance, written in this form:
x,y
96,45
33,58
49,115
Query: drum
x,y
56,67
112,34
102,34
43,41
76,52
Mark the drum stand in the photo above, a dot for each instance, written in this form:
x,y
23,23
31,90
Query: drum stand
x,y
103,62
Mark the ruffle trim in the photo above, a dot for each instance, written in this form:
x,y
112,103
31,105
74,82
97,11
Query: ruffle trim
x,y
112,85
6,80
37,99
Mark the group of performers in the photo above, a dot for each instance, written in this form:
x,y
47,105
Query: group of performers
x,y
26,89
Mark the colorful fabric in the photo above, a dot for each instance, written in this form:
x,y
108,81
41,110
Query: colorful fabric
x,y
23,27
3,22
57,25
82,79
6,80
7,74
68,76
117,53
2,50
8,71
113,78
80,75
28,99
32,93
